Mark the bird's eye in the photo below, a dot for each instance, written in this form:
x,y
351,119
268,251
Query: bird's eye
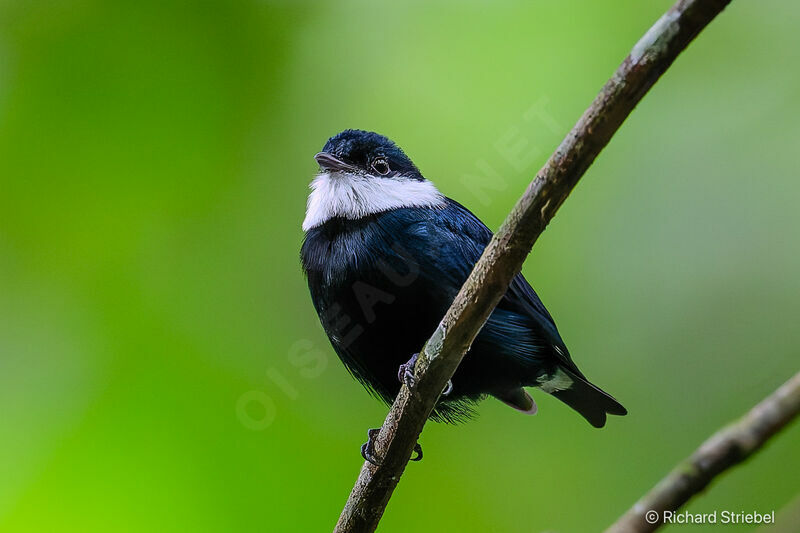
x,y
380,166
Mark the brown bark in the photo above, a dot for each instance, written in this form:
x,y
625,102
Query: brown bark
x,y
726,448
504,255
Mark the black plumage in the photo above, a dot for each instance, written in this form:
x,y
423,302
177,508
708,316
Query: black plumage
x,y
382,281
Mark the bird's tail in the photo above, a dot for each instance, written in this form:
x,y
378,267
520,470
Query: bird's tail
x,y
587,399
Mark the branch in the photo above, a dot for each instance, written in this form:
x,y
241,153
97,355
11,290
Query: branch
x,y
502,259
725,449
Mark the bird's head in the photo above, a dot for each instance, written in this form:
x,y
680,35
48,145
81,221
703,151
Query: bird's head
x,y
362,174
366,154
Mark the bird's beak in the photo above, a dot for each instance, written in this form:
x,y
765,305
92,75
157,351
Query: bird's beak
x,y
330,162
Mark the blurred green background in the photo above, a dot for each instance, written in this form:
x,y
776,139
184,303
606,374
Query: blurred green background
x,y
155,327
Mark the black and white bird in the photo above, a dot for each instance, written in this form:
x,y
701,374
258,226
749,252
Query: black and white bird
x,y
385,254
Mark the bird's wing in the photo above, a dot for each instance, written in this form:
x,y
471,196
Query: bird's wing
x,y
520,299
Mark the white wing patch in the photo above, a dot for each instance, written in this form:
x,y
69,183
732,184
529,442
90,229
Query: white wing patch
x,y
354,196
558,381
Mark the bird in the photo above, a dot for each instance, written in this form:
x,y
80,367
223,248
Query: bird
x,y
384,255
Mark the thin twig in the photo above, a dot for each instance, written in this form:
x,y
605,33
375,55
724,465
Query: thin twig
x,y
725,449
502,259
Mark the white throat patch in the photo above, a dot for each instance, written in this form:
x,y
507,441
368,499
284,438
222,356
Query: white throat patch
x,y
354,196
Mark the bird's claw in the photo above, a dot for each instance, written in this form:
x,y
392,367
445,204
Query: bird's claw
x,y
448,388
405,374
418,451
368,449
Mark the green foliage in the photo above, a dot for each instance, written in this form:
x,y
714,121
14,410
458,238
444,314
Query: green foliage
x,y
161,366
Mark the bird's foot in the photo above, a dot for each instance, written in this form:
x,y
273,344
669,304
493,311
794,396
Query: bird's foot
x,y
448,387
405,374
418,451
368,449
